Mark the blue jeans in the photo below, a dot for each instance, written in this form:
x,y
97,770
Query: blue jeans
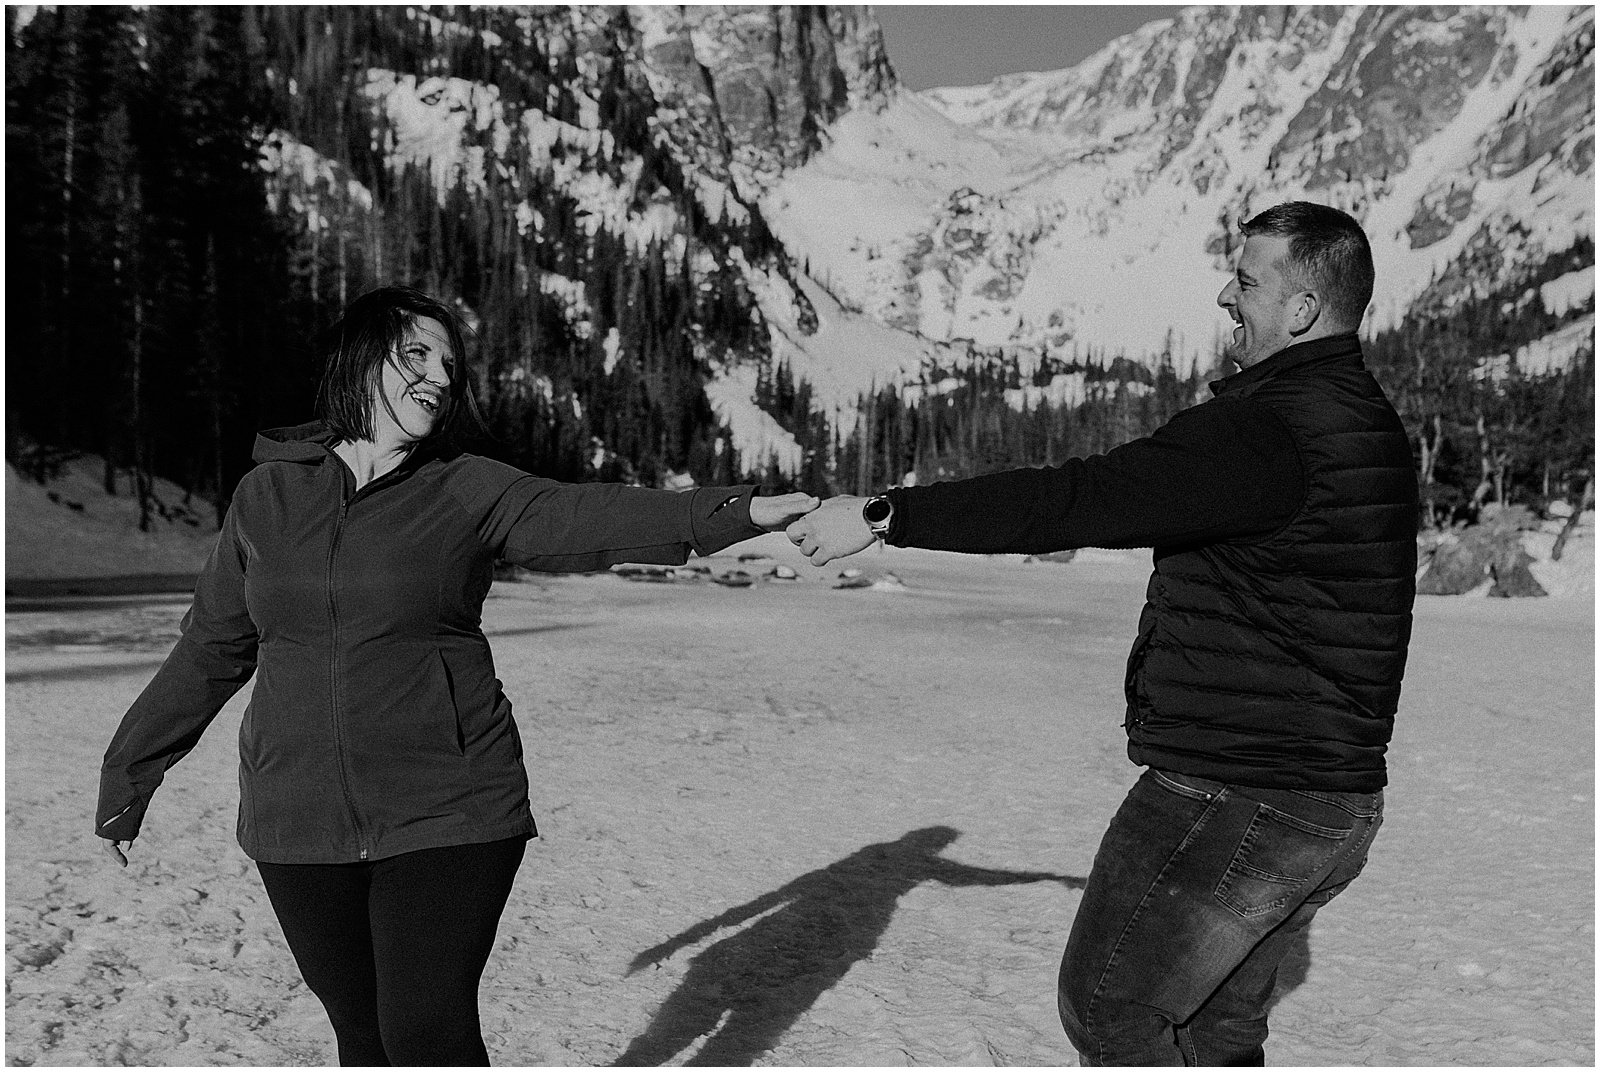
x,y
1197,892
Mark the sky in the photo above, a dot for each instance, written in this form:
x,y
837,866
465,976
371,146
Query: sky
x,y
969,44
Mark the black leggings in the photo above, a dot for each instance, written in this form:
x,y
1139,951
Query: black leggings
x,y
395,948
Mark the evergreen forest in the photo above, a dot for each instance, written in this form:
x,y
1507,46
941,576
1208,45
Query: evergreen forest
x,y
164,284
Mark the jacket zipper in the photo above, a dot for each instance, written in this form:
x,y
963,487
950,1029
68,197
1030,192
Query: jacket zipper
x,y
333,676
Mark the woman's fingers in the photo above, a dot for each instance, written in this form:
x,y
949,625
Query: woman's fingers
x,y
776,511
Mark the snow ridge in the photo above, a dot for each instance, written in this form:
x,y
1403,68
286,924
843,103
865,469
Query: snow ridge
x,y
1097,206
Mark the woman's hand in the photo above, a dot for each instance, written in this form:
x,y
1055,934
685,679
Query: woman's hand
x,y
114,849
773,512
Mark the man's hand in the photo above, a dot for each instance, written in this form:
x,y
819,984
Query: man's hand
x,y
773,512
833,530
114,849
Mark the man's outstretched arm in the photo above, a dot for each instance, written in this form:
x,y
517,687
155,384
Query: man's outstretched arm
x,y
1218,471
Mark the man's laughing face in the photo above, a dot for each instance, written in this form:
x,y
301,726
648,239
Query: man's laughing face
x,y
1261,299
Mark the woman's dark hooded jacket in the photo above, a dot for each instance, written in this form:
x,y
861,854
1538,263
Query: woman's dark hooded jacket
x,y
377,725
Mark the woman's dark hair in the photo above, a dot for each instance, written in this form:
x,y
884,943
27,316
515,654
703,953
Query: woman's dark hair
x,y
370,333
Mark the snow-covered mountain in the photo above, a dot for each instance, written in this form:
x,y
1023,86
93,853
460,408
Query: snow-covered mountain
x,y
1098,205
651,128
863,229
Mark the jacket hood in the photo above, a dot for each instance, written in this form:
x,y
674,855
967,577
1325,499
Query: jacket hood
x,y
297,443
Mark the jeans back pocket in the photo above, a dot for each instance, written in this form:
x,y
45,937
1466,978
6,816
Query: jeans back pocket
x,y
1278,854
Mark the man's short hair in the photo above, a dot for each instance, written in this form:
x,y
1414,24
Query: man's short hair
x,y
1328,253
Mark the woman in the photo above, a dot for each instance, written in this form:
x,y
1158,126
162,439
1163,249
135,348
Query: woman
x,y
382,790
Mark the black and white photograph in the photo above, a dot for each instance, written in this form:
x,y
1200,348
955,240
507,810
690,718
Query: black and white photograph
x,y
800,535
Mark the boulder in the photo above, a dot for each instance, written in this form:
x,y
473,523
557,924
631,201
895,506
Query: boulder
x,y
649,574
1455,566
852,578
889,582
1511,574
1460,560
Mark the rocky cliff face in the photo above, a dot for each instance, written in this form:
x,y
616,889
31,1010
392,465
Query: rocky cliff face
x,y
761,84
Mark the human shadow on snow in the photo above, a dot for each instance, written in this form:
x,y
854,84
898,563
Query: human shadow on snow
x,y
749,988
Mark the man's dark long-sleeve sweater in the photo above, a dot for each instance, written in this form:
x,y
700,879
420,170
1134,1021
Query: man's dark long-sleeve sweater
x,y
1221,470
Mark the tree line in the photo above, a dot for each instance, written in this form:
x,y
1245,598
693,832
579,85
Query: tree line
x,y
1483,430
173,283
164,284
981,410
145,277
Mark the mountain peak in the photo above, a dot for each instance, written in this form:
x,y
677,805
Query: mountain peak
x,y
1108,194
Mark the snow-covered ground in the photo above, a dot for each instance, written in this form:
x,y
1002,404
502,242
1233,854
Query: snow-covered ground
x,y
71,528
862,815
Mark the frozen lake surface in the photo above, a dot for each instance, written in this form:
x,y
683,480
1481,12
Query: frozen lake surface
x,y
795,825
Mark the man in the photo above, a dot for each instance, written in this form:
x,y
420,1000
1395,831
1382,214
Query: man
x,y
1263,682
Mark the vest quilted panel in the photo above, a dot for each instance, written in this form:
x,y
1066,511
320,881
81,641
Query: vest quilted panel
x,y
1277,662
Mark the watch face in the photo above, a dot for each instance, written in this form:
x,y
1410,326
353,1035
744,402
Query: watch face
x,y
876,510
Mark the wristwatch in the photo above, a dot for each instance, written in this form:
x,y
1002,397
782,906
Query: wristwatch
x,y
878,512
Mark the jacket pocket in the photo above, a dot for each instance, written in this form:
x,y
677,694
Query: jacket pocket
x,y
1278,854
1132,682
1132,686
249,763
410,711
452,713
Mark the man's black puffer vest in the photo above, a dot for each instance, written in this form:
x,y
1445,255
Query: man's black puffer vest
x,y
1276,661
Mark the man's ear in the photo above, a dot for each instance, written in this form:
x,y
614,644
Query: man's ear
x,y
1305,309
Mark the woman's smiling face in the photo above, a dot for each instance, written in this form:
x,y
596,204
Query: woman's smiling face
x,y
416,384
